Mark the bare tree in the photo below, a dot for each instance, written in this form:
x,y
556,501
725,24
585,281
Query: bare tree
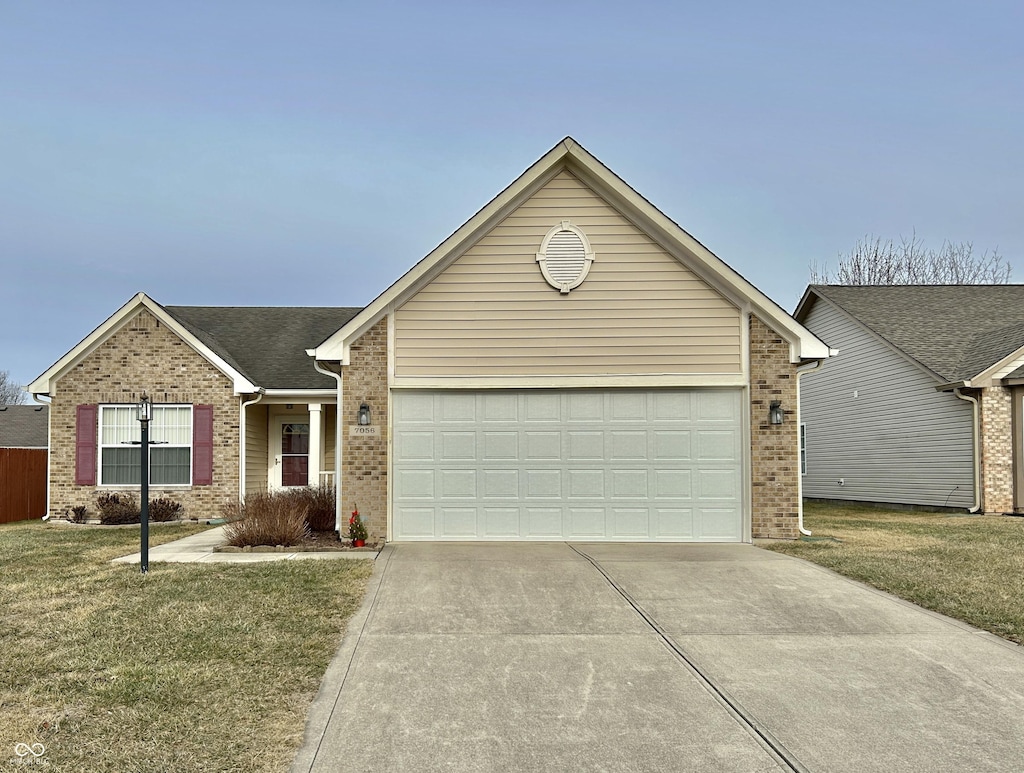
x,y
874,261
10,393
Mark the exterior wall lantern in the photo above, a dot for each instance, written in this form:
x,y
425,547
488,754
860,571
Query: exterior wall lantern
x,y
364,415
775,414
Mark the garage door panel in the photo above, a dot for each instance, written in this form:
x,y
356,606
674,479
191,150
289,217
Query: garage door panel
x,y
543,446
673,484
458,522
457,484
585,446
672,523
589,465
586,484
543,484
629,445
543,522
719,524
586,522
717,445
500,522
629,484
457,446
500,484
414,484
630,522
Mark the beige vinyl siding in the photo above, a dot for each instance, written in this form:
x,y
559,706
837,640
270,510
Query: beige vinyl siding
x,y
639,311
256,449
898,440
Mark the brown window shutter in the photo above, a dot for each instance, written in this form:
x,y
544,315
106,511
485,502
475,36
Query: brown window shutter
x,y
85,445
202,445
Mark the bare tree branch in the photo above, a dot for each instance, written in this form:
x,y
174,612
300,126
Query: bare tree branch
x,y
874,261
10,393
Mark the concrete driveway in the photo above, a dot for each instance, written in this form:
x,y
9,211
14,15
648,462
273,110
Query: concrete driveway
x,y
551,656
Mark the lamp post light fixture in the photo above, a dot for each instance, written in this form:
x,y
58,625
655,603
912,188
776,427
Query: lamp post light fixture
x,y
364,415
145,414
775,413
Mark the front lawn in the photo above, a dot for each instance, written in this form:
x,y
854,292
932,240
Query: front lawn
x,y
967,567
193,667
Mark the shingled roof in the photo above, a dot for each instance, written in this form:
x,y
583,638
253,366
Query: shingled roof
x,y
23,426
267,344
955,331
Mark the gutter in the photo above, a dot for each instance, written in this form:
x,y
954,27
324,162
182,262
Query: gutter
x,y
49,453
975,433
337,442
242,443
800,475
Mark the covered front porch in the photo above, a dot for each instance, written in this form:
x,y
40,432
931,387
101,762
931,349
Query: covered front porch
x,y
288,441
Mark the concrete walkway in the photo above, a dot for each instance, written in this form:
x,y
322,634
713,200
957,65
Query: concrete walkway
x,y
199,548
654,657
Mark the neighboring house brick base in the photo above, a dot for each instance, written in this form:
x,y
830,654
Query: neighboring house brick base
x,y
364,462
996,450
144,356
774,449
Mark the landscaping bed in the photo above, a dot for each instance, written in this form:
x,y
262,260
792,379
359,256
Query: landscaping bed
x,y
963,566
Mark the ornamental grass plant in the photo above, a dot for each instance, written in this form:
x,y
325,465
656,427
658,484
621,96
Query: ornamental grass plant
x,y
266,518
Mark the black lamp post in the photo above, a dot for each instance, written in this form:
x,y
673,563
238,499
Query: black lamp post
x,y
145,413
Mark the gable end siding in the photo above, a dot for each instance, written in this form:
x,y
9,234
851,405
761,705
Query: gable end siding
x,y
898,440
491,313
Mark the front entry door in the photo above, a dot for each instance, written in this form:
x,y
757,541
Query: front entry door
x,y
291,460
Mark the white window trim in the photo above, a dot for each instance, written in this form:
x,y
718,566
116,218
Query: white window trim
x,y
100,446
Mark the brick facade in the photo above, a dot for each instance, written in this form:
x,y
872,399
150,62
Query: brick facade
x,y
774,449
996,450
364,461
144,356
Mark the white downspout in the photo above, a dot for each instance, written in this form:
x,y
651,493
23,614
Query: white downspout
x,y
242,444
49,453
976,435
337,445
800,475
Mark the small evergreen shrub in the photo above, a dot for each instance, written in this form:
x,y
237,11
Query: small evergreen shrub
x,y
162,509
77,514
116,509
266,519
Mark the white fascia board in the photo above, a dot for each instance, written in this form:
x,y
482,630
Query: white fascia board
x,y
638,381
44,383
299,395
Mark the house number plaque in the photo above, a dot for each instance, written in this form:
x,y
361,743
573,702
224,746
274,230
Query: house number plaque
x,y
363,430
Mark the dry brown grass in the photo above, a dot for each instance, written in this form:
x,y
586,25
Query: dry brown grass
x,y
967,567
193,667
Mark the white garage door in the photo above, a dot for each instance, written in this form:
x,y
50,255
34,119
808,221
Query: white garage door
x,y
576,465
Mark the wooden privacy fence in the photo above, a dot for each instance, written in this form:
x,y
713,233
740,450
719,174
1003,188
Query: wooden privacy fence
x,y
22,484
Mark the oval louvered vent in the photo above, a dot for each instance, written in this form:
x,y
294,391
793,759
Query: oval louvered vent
x,y
565,257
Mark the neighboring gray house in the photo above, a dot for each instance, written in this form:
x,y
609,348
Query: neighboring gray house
x,y
923,405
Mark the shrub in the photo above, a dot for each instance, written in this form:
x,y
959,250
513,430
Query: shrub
x,y
118,509
77,514
266,519
319,504
163,509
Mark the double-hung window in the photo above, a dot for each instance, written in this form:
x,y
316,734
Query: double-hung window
x,y
170,455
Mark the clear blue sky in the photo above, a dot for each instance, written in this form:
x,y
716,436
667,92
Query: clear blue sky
x,y
308,153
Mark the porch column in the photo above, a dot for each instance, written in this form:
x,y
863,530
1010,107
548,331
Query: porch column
x,y
315,458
